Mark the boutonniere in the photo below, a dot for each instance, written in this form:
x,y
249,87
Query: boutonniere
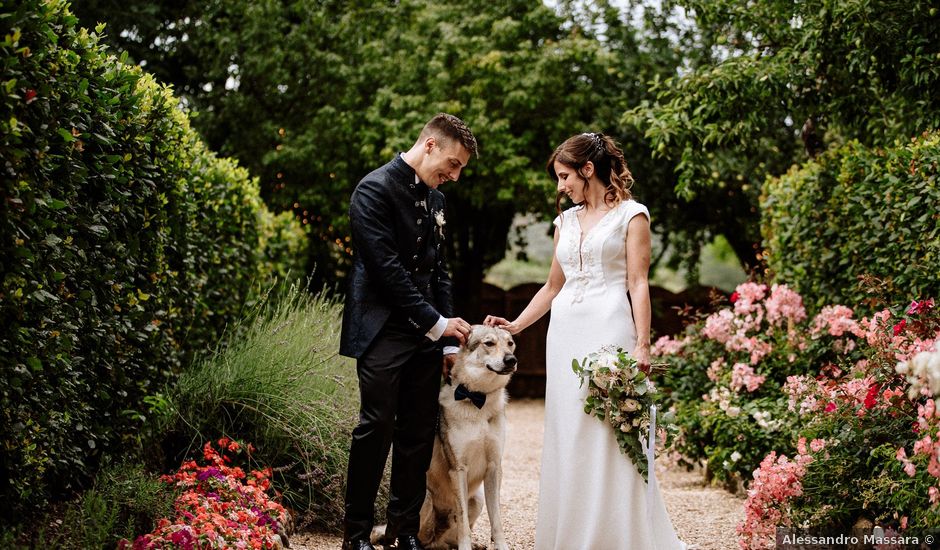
x,y
439,220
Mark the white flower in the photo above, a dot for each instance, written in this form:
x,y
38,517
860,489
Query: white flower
x,y
733,412
735,456
439,219
611,362
629,405
602,379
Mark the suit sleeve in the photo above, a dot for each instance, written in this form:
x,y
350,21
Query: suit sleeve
x,y
372,217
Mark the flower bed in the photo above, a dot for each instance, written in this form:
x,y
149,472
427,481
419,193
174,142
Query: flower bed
x,y
220,506
831,419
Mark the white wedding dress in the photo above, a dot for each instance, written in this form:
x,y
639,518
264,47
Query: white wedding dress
x,y
591,496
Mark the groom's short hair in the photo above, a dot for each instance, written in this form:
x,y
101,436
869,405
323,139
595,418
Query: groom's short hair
x,y
452,128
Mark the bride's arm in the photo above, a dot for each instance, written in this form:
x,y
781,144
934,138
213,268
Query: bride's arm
x,y
638,266
540,303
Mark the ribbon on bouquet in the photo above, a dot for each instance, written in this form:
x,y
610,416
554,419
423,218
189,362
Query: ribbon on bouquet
x,y
651,466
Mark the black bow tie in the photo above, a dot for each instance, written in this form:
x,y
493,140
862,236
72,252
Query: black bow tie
x,y
478,398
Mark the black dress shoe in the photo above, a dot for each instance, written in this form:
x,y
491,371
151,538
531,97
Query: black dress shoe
x,y
357,544
409,542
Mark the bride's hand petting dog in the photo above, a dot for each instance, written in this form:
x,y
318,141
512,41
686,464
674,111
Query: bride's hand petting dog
x,y
466,465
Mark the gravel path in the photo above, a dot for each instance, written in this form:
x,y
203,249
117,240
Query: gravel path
x,y
703,516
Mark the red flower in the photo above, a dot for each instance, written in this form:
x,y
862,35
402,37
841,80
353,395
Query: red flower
x,y
899,328
922,306
734,296
30,95
830,407
872,396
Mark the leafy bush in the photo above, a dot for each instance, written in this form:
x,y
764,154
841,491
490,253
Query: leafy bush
x,y
281,385
866,447
816,414
126,247
857,218
727,371
126,499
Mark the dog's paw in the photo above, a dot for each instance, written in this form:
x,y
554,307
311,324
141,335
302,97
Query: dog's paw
x,y
378,535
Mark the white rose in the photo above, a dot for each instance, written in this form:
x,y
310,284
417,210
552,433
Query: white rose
x,y
735,456
610,361
733,412
629,405
601,379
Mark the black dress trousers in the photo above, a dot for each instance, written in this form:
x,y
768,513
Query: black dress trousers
x,y
399,382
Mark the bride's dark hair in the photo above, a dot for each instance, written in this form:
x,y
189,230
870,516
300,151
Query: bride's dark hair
x,y
608,160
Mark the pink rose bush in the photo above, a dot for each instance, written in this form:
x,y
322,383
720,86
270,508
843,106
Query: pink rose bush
x,y
776,482
220,506
729,367
827,418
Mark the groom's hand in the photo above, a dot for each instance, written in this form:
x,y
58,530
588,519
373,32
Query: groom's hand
x,y
458,328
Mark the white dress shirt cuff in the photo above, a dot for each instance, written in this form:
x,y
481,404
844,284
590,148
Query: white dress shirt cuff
x,y
437,330
450,350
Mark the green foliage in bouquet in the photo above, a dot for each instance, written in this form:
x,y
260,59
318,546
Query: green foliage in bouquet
x,y
620,394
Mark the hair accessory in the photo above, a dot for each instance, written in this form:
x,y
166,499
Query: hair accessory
x,y
597,141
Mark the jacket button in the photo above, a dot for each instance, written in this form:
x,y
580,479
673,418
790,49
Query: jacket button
x,y
418,221
415,258
419,240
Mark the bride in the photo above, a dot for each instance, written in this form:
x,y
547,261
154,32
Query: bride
x,y
591,496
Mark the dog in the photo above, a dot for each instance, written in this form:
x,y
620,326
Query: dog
x,y
466,464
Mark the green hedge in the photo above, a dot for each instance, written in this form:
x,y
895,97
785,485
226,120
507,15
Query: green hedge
x,y
857,224
126,247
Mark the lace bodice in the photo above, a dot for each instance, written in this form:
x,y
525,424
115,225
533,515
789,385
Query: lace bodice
x,y
595,261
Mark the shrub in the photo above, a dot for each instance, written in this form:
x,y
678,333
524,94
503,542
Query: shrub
x,y
856,218
830,419
220,506
281,385
727,371
871,436
126,499
126,247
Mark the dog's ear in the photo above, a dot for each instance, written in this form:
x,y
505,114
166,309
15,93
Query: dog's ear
x,y
476,334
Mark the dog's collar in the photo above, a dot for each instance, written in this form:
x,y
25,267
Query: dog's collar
x,y
478,398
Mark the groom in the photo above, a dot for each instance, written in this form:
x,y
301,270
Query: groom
x,y
397,318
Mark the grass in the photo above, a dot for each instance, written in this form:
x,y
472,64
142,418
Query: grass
x,y
280,385
126,500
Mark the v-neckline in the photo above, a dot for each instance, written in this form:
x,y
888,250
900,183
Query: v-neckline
x,y
582,235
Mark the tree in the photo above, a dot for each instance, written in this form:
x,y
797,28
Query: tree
x,y
777,80
312,95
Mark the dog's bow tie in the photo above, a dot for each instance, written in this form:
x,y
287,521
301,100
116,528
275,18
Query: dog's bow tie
x,y
478,398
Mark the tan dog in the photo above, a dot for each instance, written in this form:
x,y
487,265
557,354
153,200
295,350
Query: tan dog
x,y
466,465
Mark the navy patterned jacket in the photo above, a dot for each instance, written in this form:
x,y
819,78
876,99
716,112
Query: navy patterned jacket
x,y
399,272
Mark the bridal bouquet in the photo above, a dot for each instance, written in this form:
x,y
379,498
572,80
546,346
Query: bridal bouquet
x,y
620,394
